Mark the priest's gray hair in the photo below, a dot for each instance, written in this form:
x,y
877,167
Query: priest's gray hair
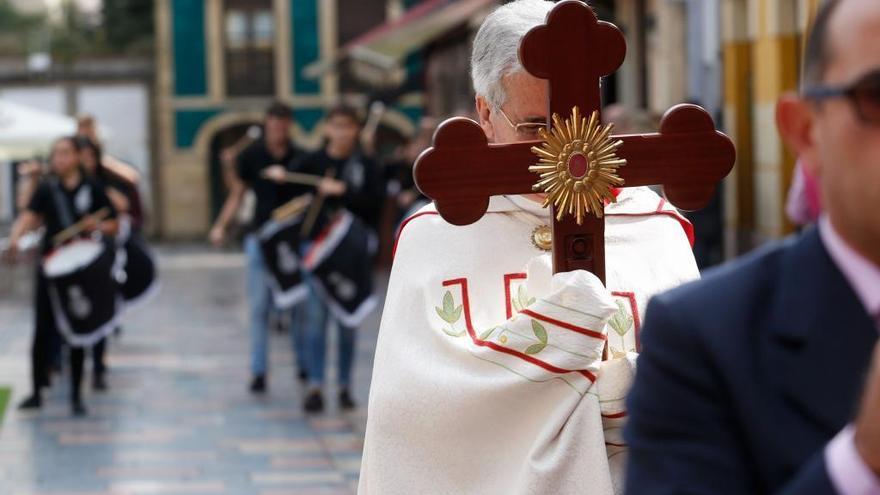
x,y
496,46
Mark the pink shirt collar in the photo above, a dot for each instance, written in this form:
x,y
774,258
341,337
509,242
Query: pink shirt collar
x,y
862,275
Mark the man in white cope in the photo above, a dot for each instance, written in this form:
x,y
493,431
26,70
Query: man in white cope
x,y
488,375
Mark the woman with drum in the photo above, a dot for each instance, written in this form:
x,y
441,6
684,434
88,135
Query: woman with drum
x,y
118,192
68,203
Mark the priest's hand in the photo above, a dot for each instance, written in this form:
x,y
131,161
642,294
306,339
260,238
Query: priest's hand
x,y
867,436
578,290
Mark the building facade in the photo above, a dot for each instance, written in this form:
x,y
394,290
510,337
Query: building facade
x,y
116,90
735,58
763,43
221,62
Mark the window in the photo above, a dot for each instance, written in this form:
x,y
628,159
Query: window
x,y
249,39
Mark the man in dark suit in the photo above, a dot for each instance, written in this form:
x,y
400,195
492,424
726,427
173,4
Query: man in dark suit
x,y
758,378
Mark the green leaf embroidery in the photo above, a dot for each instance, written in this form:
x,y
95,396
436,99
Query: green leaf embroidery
x,y
453,333
456,314
440,313
540,333
516,305
522,298
621,322
448,303
488,333
449,312
535,348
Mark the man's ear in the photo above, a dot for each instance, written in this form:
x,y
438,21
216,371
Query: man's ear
x,y
794,119
484,114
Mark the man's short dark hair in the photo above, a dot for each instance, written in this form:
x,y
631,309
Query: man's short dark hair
x,y
344,110
280,110
817,53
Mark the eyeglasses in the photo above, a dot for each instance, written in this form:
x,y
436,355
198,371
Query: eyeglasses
x,y
864,94
527,130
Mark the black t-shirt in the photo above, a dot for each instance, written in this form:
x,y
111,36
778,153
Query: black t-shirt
x,y
269,195
85,199
364,190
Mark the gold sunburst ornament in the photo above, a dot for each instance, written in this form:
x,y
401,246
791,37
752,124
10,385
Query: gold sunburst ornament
x,y
578,165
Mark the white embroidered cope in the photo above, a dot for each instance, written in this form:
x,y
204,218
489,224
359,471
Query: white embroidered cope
x,y
488,375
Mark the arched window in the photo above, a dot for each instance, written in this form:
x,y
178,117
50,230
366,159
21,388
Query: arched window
x,y
249,46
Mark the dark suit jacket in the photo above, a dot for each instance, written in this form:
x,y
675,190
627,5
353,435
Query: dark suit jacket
x,y
746,375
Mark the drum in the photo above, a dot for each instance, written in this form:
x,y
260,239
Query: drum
x,y
341,261
84,294
136,270
279,242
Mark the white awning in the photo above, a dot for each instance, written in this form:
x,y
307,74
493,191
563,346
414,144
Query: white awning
x,y
26,131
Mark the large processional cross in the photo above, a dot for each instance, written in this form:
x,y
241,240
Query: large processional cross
x,y
577,163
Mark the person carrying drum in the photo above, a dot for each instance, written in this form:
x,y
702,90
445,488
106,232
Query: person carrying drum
x,y
67,198
338,249
269,154
139,267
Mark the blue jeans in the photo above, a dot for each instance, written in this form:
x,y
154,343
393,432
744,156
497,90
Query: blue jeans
x,y
315,315
261,306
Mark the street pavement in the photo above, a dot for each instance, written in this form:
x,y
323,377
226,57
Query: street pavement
x,y
177,418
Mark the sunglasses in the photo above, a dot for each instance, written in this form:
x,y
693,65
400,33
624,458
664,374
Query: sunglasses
x,y
864,94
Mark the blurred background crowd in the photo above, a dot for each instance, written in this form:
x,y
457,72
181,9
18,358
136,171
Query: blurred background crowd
x,y
174,84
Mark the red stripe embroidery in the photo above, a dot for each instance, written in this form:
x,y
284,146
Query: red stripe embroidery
x,y
495,347
404,224
684,222
621,414
568,326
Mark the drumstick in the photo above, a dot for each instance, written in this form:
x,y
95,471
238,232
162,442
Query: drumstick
x,y
75,229
292,207
312,215
299,178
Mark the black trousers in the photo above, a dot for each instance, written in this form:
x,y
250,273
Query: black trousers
x,y
47,340
47,345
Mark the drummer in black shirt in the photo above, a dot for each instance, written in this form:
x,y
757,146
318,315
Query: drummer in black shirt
x,y
352,182
83,197
124,198
267,156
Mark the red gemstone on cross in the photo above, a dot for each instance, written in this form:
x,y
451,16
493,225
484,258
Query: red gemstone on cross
x,y
577,165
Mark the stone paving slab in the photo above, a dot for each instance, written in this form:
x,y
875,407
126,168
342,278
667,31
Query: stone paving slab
x,y
178,418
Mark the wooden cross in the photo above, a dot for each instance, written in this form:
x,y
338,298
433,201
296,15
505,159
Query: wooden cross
x,y
573,50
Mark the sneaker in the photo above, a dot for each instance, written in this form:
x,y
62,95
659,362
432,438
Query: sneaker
x,y
78,409
32,402
314,402
345,400
258,384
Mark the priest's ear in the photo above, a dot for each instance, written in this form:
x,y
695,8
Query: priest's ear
x,y
484,117
794,119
